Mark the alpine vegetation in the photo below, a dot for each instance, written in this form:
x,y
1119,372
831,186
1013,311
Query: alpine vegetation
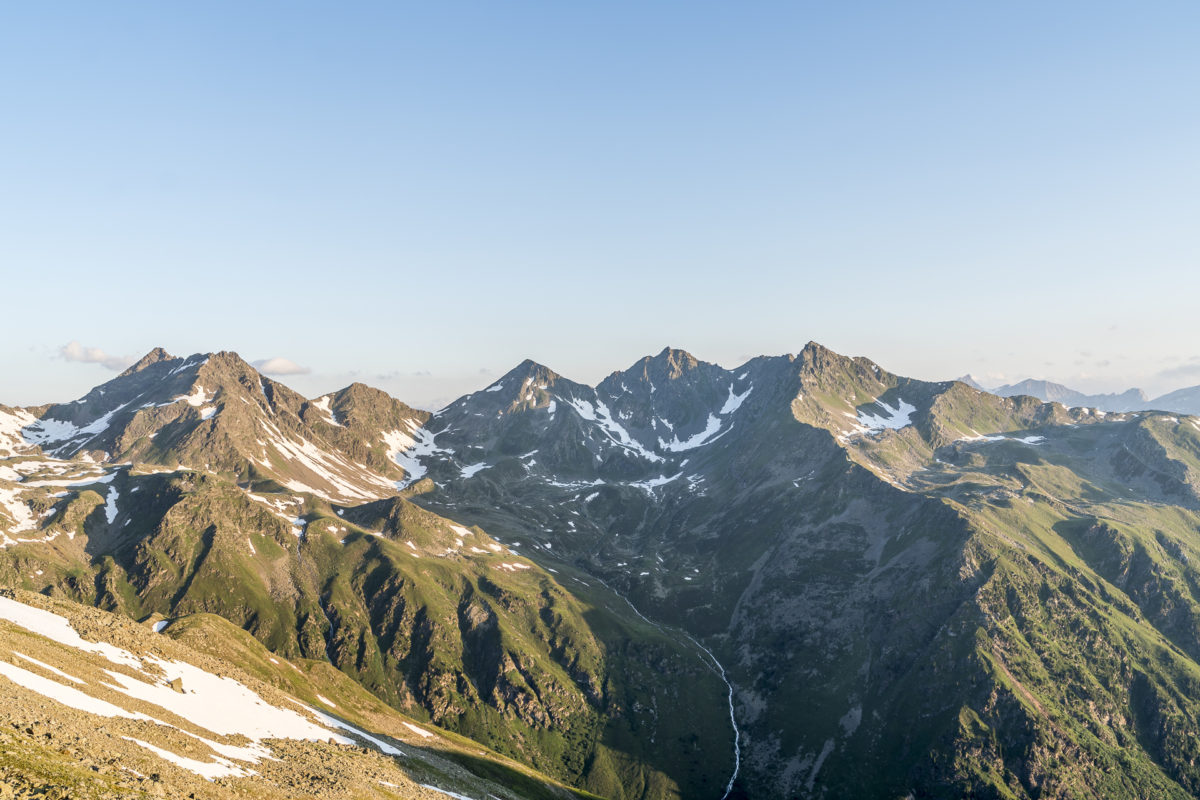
x,y
803,577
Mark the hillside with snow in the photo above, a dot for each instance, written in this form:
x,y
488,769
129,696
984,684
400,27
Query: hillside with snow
x,y
805,576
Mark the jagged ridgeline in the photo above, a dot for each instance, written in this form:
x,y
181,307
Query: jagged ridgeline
x,y
913,588
196,485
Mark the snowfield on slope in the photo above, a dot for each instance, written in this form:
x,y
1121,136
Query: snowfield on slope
x,y
979,437
11,425
895,419
735,400
217,704
712,431
322,405
600,414
407,449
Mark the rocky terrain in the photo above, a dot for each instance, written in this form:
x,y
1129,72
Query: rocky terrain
x,y
803,577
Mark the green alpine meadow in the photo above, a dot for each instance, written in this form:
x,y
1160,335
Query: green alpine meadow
x,y
805,577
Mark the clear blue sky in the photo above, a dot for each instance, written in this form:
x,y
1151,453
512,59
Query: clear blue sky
x,y
420,195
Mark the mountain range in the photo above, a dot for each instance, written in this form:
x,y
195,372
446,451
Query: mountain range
x,y
1180,401
803,577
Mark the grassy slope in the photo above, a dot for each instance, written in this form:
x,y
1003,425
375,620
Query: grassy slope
x,y
1076,661
431,756
385,592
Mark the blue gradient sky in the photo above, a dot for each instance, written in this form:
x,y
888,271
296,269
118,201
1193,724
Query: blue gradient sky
x,y
421,195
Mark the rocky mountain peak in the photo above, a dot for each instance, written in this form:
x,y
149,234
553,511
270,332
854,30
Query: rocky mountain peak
x,y
654,372
362,406
528,372
673,362
817,356
835,371
153,357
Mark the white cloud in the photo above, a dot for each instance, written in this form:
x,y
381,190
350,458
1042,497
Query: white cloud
x,y
1186,371
279,366
74,351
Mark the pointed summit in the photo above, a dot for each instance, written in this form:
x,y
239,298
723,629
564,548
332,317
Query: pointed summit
x,y
669,364
527,370
153,357
817,357
815,348
527,385
363,407
675,362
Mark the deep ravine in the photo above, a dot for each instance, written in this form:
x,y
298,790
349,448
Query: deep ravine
x,y
717,669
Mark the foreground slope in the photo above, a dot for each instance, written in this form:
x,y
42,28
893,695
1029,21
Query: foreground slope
x,y
98,706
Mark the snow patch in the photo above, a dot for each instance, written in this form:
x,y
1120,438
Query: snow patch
x,y
110,505
381,745
56,628
322,405
218,704
209,770
470,470
734,402
11,425
55,435
407,450
894,419
576,484
187,363
48,668
341,474
654,483
707,436
418,731
979,437
66,695
197,398
600,414
446,792
72,481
